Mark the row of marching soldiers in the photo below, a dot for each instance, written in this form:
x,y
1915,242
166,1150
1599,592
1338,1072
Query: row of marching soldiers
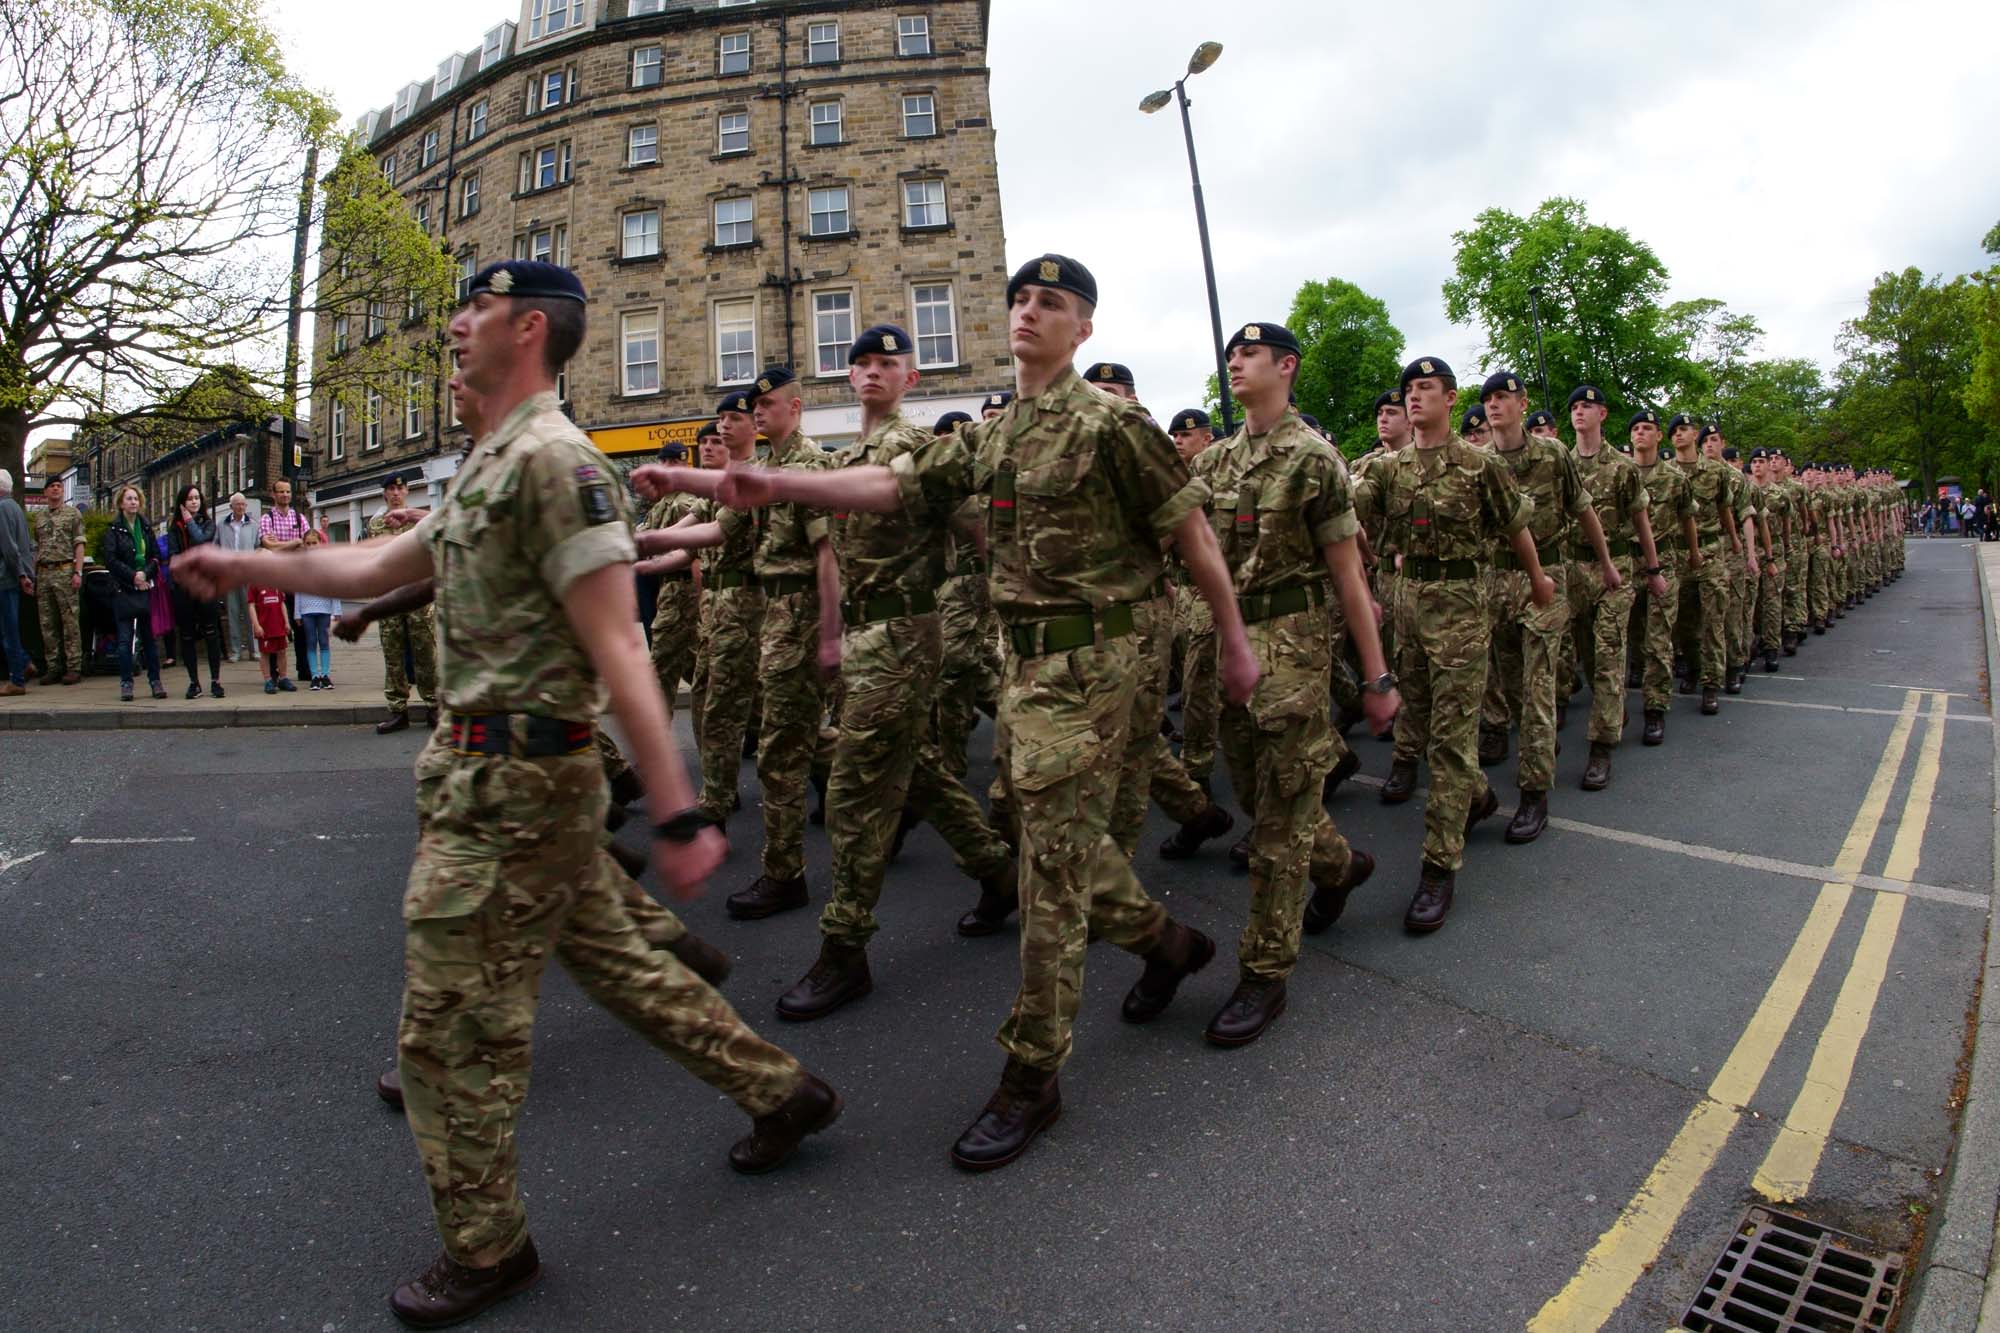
x,y
1050,546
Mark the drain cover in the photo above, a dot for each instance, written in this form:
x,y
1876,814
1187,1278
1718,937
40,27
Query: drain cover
x,y
1781,1273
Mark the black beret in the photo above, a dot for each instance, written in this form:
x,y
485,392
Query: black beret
x,y
1263,335
673,451
1680,419
1585,393
1645,416
1189,418
1729,453
1309,419
882,340
526,278
733,402
949,422
1539,417
1057,271
710,430
1474,415
1109,372
999,400
773,379
394,479
1500,381
1423,367
1710,429
1393,398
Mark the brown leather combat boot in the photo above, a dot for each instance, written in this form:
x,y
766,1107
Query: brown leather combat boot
x,y
839,974
1027,1102
1181,952
448,1292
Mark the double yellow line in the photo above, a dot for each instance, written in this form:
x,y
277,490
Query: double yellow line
x,y
1633,1242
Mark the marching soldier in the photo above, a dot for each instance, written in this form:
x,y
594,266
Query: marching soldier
x,y
532,555
1670,508
1284,518
1527,632
1712,488
57,532
1201,701
1542,425
1743,572
1442,502
411,632
1601,613
969,681
677,609
1082,490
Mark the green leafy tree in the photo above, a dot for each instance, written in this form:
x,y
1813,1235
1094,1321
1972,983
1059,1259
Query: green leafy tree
x,y
150,155
1352,353
1907,361
1599,296
1982,389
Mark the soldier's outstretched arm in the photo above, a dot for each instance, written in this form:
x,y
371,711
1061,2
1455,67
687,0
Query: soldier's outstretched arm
x,y
603,609
1236,664
680,537
657,479
409,597
871,489
356,569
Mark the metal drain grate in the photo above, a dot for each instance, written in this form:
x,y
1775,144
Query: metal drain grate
x,y
1781,1273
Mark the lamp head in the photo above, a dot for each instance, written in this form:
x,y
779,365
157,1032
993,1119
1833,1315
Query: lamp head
x,y
1204,55
1155,101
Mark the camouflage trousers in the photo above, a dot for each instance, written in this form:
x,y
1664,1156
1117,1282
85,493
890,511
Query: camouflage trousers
x,y
1412,732
885,759
416,631
1771,605
1526,640
1742,611
1656,637
969,680
656,923
676,632
1279,748
1797,562
509,869
1201,689
1441,642
1162,779
62,633
1704,617
1843,567
735,625
792,744
1065,746
1600,621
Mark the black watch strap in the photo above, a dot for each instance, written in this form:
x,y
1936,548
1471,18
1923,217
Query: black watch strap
x,y
681,827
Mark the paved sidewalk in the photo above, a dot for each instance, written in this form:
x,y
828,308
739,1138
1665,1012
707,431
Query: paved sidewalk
x,y
93,703
1960,1288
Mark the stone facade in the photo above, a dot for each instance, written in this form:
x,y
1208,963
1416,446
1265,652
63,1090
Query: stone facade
x,y
669,157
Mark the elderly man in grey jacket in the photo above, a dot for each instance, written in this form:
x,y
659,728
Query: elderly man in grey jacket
x,y
238,532
17,579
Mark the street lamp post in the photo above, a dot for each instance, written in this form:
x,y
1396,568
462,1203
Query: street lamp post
x,y
1204,55
1541,362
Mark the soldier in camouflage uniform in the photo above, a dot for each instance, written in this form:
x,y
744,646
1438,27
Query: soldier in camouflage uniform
x,y
1167,782
1081,489
57,532
1704,613
412,631
732,613
531,553
1602,616
1797,555
1201,700
676,627
1677,543
1527,635
1284,518
969,682
1412,729
1441,501
1771,509
1743,571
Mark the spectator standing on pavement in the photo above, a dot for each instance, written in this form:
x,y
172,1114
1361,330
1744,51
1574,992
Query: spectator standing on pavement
x,y
1982,515
273,621
127,552
316,620
282,528
193,618
17,577
238,532
58,532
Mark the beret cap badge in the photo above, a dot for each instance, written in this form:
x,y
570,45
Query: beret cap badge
x,y
763,386
1252,333
888,342
501,283
1425,366
1050,270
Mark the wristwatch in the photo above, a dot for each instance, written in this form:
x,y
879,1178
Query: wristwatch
x,y
1382,684
1651,570
683,827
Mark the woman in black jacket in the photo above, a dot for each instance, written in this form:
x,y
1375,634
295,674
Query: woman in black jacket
x,y
192,526
127,551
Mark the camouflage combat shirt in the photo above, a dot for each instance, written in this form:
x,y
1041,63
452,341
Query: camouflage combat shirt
x,y
1275,500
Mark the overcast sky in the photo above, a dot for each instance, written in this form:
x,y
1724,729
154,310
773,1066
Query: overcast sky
x,y
1776,156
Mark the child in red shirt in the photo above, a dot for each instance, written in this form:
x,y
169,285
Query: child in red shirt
x,y
267,618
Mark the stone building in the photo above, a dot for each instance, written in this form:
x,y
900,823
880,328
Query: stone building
x,y
737,183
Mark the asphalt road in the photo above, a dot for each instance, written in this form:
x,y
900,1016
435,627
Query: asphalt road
x,y
1434,1137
